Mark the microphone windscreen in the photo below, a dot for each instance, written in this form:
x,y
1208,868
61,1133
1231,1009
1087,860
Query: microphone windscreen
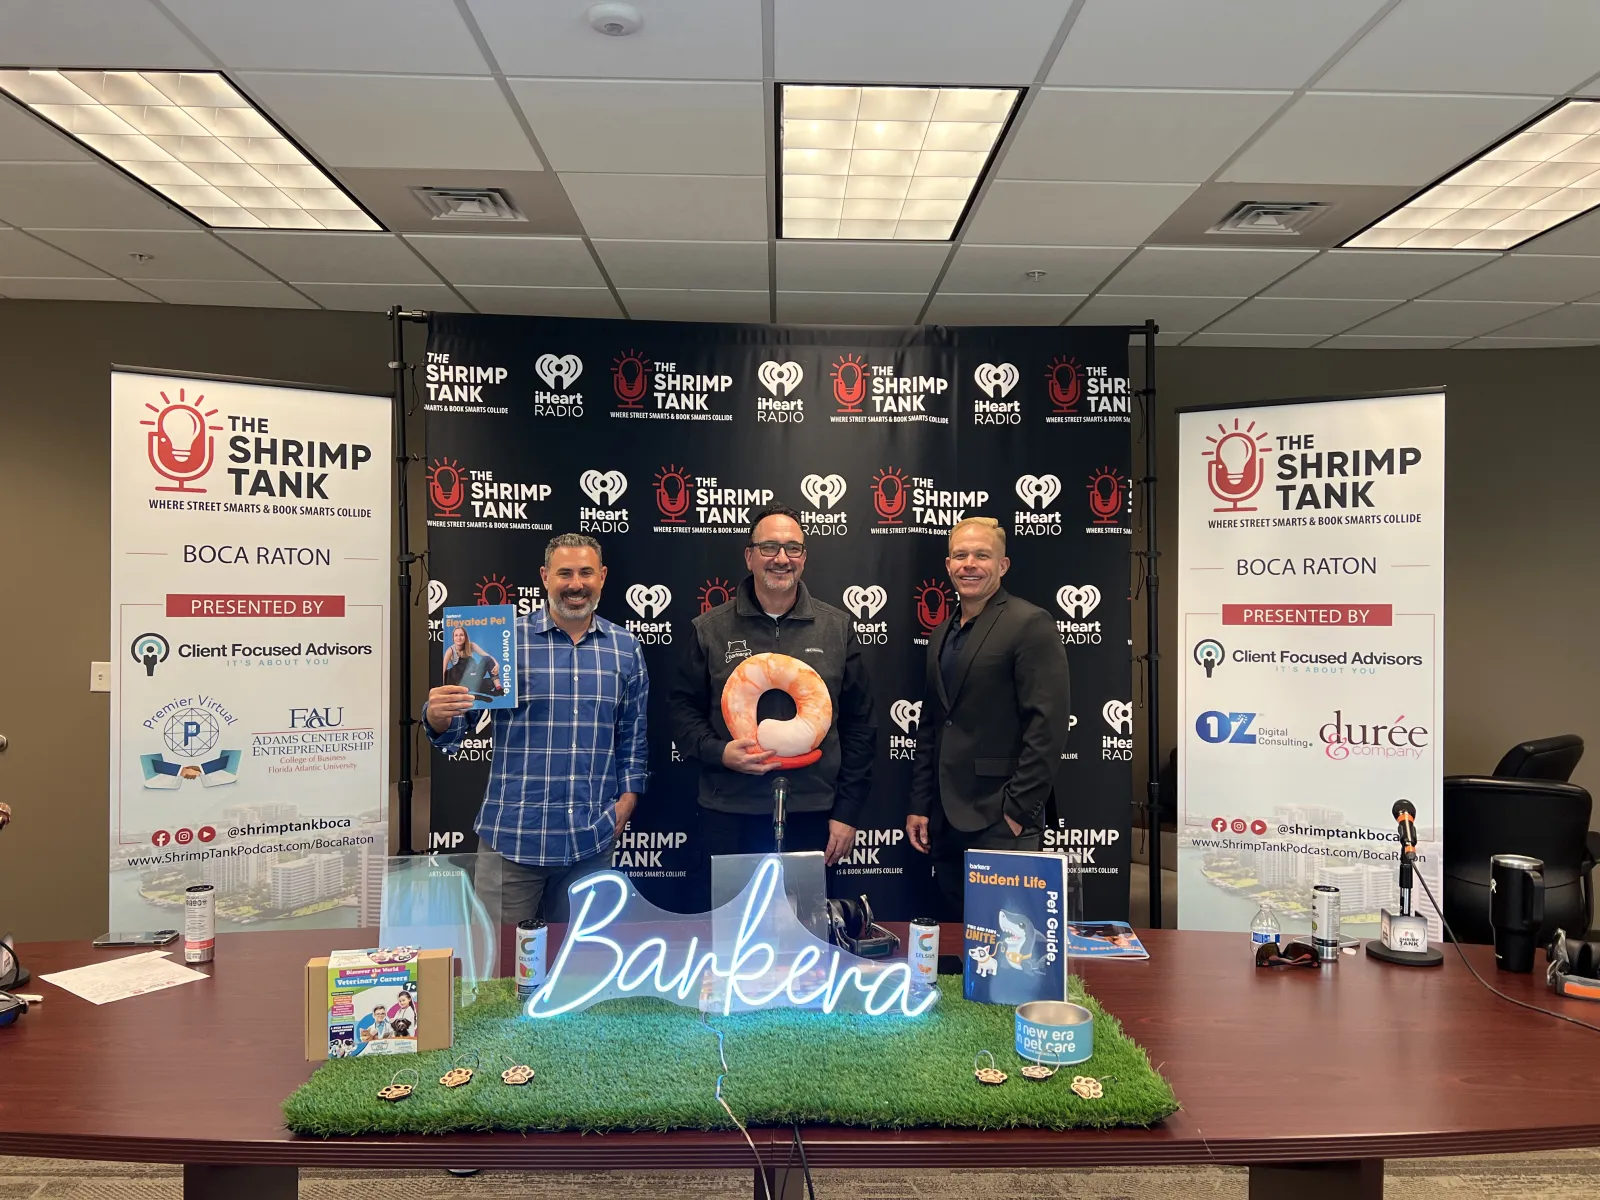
x,y
1404,808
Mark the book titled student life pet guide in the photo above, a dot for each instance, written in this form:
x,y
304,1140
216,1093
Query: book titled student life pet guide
x,y
480,653
1015,909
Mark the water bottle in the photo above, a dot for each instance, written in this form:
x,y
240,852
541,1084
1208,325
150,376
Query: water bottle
x,y
1264,929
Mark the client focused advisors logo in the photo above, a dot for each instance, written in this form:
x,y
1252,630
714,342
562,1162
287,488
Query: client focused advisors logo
x,y
447,488
713,593
782,406
1236,465
190,729
823,492
630,379
865,603
604,488
849,375
1208,653
1038,492
559,372
934,603
179,445
996,382
1342,738
907,716
150,650
649,601
1078,602
1117,746
1108,501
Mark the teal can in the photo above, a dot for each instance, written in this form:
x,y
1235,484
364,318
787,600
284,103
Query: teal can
x,y
1054,1032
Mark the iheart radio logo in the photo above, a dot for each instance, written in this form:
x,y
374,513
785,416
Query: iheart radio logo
x,y
180,445
447,492
603,487
1119,715
630,378
1038,491
865,602
559,372
780,378
822,491
849,383
437,595
649,601
1064,383
1078,602
996,380
907,714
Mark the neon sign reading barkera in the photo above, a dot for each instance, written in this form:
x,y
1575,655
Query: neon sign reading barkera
x,y
751,954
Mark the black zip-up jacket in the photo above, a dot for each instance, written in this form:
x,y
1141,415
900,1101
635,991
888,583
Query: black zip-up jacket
x,y
817,634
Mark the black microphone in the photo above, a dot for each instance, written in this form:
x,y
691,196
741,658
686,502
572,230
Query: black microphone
x,y
1406,813
780,804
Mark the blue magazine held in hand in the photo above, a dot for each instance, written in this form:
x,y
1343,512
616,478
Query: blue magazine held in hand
x,y
1015,910
480,653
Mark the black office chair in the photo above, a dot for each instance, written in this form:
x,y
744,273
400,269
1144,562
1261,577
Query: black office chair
x,y
1552,758
1485,816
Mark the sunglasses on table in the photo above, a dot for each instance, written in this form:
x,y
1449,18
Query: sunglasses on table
x,y
770,549
1293,954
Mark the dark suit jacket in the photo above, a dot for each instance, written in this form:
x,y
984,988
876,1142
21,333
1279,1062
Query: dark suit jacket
x,y
991,747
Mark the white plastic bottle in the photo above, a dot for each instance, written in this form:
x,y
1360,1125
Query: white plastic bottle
x,y
1264,929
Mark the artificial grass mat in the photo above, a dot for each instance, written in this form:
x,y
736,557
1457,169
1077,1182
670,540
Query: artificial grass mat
x,y
648,1065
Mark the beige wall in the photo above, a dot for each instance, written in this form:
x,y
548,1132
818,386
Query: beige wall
x,y
1523,498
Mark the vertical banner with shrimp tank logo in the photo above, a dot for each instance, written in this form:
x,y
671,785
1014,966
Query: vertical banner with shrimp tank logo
x,y
250,590
1311,655
660,440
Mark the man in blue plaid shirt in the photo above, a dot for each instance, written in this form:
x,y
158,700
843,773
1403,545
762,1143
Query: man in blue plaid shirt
x,y
571,760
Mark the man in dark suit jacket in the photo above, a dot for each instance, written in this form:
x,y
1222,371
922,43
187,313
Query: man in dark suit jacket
x,y
995,712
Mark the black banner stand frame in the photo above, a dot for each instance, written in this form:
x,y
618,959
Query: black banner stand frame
x,y
404,559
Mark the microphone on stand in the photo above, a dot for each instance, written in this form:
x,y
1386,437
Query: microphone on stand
x,y
1406,814
780,799
1404,939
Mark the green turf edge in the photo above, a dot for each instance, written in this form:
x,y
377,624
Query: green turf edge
x,y
653,1066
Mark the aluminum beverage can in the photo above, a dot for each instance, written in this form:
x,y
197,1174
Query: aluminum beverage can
x,y
532,937
199,923
1325,921
924,952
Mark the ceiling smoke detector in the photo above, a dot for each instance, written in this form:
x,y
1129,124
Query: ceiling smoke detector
x,y
615,20
468,204
1274,218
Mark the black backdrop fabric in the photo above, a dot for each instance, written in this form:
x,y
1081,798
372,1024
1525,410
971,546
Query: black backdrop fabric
x,y
660,438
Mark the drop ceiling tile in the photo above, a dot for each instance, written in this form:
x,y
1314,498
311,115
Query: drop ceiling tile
x,y
27,138
435,121
1264,341
258,293
849,308
676,304
542,301
1186,313
1178,271
1443,318
915,41
85,195
1360,341
510,261
1474,46
1032,212
1205,43
380,297
1375,274
1273,315
328,257
711,208
173,255
1569,321
71,289
21,254
716,266
1336,137
424,36
1495,342
866,266
989,308
640,126
1068,270
1527,277
94,33
680,39
1578,236
1128,136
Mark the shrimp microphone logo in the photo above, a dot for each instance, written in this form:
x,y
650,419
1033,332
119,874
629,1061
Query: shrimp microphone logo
x,y
849,383
1064,383
180,446
714,592
630,379
933,605
674,493
1235,471
889,495
1108,493
446,490
494,589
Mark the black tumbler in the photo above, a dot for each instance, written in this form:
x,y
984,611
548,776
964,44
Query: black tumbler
x,y
1516,909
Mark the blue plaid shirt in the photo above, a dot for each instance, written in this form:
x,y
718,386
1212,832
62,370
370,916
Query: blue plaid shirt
x,y
572,746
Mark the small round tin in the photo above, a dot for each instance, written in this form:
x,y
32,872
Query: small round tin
x,y
1054,1032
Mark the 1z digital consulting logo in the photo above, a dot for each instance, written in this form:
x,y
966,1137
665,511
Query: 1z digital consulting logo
x,y
1038,492
907,716
1240,729
604,489
995,381
782,406
559,372
1117,746
1078,602
865,603
180,446
824,492
649,601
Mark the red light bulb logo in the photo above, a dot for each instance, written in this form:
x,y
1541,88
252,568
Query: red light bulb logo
x,y
179,445
674,493
1235,470
849,383
889,495
445,487
1064,382
630,377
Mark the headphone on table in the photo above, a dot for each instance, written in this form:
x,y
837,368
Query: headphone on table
x,y
851,918
1574,967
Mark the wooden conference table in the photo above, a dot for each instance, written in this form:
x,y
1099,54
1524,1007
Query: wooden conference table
x,y
1309,1078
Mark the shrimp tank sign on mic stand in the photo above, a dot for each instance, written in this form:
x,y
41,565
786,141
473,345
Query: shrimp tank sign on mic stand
x,y
796,742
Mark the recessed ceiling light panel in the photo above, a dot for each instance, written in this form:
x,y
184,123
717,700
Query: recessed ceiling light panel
x,y
1540,177
190,136
884,163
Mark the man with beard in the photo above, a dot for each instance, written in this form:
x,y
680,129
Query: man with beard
x,y
570,761
773,612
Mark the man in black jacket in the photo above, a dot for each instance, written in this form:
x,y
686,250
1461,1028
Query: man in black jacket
x,y
995,712
773,612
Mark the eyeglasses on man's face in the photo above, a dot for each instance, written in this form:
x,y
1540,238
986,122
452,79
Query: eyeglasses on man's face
x,y
770,549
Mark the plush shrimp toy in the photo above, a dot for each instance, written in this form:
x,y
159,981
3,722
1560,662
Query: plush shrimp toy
x,y
795,741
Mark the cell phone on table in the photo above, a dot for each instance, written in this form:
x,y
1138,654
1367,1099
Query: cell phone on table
x,y
149,937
